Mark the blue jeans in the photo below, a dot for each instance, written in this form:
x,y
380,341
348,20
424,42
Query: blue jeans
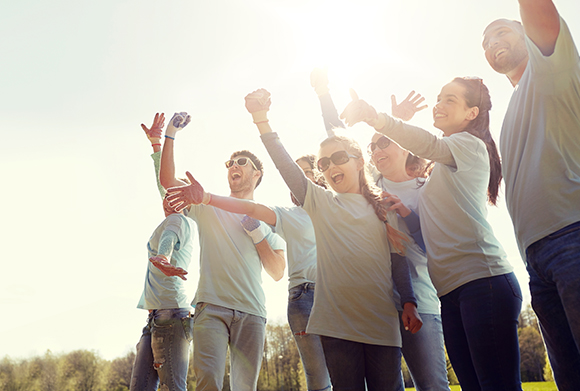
x,y
424,354
553,263
480,325
351,364
300,300
163,351
216,328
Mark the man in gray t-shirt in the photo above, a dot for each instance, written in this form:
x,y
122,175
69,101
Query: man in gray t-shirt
x,y
540,148
229,303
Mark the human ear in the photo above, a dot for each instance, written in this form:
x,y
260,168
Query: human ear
x,y
473,113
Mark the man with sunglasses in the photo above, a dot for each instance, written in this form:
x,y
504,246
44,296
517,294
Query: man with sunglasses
x,y
230,302
540,148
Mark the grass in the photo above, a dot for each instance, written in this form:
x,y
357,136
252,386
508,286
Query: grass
x,y
535,386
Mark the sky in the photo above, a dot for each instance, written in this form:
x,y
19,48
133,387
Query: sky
x,y
79,77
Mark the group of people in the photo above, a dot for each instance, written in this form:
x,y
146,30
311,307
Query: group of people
x,y
388,257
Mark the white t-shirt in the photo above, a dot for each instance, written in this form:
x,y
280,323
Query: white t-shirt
x,y
540,143
230,267
295,227
461,246
353,299
427,300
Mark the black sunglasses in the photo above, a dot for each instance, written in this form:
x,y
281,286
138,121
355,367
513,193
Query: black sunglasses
x,y
338,158
383,142
240,161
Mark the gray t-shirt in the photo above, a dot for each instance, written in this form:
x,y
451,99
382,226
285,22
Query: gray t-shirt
x,y
295,227
540,143
353,299
427,300
461,246
230,267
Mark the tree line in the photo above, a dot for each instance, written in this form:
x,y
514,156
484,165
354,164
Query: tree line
x,y
84,370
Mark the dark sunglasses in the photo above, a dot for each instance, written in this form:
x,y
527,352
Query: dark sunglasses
x,y
240,161
338,158
383,142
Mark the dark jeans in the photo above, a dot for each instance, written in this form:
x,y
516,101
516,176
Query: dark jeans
x,y
554,267
351,363
480,325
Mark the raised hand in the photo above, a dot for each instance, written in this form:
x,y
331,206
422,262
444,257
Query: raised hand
x,y
258,100
252,228
319,80
408,107
177,122
161,263
392,202
358,110
154,133
180,197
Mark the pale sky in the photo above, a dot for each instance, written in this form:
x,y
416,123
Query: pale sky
x,y
79,77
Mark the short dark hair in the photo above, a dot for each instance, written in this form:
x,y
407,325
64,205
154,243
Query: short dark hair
x,y
257,162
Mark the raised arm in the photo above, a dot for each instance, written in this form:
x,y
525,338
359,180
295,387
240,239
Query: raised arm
x,y
258,104
154,136
167,171
417,140
541,23
319,81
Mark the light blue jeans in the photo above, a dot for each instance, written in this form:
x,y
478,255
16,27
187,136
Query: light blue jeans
x,y
300,300
163,351
424,354
216,328
553,263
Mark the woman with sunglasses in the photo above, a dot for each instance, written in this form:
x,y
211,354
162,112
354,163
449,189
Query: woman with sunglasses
x,y
354,310
295,227
480,295
401,175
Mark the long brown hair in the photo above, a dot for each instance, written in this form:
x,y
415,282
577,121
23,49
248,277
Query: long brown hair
x,y
477,94
372,193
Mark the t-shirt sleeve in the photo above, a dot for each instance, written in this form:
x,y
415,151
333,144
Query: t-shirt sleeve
x,y
466,149
565,56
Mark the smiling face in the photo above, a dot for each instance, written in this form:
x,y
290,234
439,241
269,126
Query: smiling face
x,y
389,161
343,178
451,113
242,179
504,45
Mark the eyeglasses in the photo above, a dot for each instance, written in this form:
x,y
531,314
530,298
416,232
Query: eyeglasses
x,y
383,142
338,158
241,162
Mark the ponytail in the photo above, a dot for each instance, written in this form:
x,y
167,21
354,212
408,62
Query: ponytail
x,y
477,94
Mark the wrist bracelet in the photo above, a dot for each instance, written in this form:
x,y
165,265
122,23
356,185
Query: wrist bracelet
x,y
173,138
261,122
208,200
155,145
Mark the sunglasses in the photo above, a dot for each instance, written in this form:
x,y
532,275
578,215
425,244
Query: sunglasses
x,y
338,158
241,162
383,142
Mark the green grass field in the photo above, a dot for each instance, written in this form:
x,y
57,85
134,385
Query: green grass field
x,y
536,386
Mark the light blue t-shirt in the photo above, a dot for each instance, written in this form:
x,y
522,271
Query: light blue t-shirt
x,y
161,291
427,300
540,143
295,227
353,299
230,267
461,246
